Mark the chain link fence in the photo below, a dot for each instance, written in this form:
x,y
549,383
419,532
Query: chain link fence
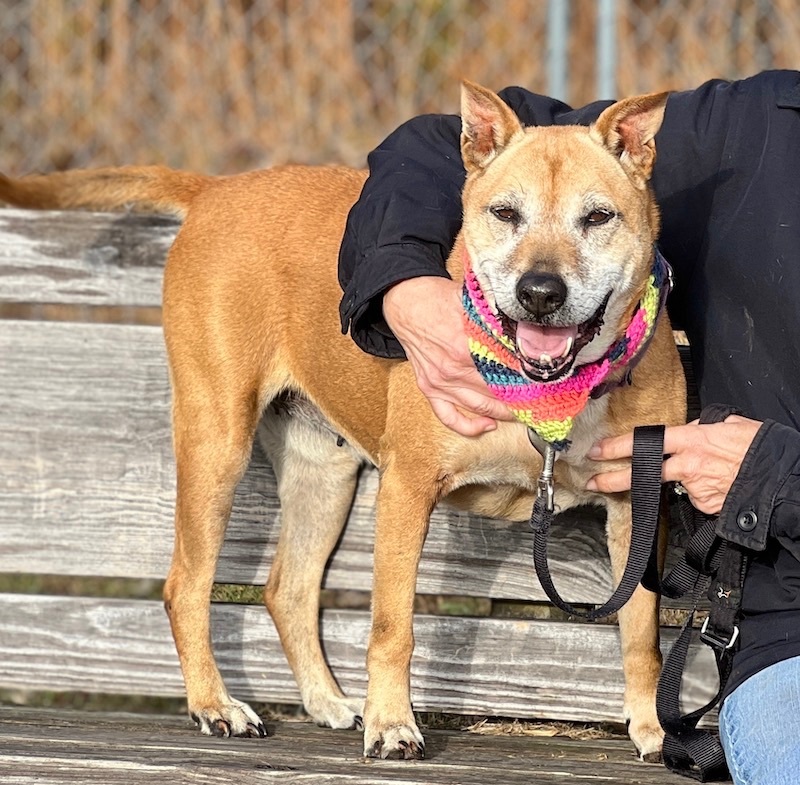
x,y
226,85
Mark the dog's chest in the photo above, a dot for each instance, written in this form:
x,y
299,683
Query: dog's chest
x,y
507,456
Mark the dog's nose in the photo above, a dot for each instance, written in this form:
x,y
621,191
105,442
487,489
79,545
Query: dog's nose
x,y
541,293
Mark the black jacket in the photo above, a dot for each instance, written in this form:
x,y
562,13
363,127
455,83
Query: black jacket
x,y
727,178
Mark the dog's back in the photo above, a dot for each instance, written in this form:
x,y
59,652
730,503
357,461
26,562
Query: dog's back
x,y
253,269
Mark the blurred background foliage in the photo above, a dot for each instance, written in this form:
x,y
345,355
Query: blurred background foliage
x,y
226,85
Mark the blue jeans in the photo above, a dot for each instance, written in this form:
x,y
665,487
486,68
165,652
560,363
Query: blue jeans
x,y
759,726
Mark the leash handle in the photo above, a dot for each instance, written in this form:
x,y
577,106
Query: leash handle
x,y
648,456
689,750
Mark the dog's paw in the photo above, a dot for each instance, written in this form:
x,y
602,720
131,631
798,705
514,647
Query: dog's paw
x,y
233,718
648,738
337,712
395,741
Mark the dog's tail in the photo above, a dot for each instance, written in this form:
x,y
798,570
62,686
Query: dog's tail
x,y
141,188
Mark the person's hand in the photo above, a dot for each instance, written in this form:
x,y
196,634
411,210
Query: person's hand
x,y
704,459
426,316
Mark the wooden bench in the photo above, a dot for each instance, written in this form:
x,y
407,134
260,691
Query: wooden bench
x,y
87,487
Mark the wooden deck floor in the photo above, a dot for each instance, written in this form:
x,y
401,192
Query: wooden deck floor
x,y
44,746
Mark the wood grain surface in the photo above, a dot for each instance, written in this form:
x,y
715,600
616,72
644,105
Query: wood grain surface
x,y
120,749
82,258
505,667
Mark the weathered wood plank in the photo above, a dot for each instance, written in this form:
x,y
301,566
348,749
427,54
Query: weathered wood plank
x,y
117,749
87,483
83,258
468,666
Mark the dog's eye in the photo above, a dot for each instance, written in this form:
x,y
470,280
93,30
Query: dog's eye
x,y
506,214
598,217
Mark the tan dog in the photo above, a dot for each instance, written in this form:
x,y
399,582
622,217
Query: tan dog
x,y
251,318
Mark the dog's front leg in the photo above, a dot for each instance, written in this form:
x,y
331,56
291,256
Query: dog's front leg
x,y
639,634
405,502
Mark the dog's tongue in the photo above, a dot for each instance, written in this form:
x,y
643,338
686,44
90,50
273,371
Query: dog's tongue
x,y
533,340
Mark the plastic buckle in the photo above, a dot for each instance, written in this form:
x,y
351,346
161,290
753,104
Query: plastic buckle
x,y
714,640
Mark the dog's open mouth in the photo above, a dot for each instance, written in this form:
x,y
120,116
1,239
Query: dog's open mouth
x,y
548,353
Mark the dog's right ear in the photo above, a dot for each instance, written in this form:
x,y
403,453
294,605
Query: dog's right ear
x,y
487,125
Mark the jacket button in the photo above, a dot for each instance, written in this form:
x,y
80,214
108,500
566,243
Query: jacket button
x,y
747,521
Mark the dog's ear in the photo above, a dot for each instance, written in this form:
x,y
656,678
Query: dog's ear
x,y
628,128
487,125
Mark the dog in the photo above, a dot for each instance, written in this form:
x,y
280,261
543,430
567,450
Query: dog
x,y
250,312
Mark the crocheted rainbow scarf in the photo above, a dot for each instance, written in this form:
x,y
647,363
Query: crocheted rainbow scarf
x,y
550,408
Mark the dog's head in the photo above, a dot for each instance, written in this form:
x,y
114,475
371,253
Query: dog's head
x,y
559,224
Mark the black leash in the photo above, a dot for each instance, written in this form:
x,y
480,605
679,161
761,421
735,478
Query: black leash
x,y
648,455
708,564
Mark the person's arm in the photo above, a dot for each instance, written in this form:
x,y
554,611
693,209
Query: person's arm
x,y
398,298
765,496
402,226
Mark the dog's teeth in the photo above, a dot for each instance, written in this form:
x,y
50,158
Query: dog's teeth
x,y
545,359
570,341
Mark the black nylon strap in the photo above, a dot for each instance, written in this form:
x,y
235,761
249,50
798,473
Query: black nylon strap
x,y
648,452
687,750
708,563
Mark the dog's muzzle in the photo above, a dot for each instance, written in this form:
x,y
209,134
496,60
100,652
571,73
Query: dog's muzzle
x,y
547,353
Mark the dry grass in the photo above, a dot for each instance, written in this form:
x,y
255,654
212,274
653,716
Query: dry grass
x,y
570,730
506,726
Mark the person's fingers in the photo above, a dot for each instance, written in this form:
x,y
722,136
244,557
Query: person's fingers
x,y
610,482
612,448
620,479
706,499
452,418
481,405
676,439
461,386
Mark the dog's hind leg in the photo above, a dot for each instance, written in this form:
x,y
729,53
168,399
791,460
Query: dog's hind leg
x,y
213,433
316,482
639,634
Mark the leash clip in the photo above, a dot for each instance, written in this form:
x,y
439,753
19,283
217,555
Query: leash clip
x,y
546,487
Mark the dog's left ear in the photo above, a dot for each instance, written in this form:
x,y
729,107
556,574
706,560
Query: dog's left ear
x,y
487,125
628,128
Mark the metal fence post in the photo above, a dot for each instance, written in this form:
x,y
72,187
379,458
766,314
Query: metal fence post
x,y
606,48
557,44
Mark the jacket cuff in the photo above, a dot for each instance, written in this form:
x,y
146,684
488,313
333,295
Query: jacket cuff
x,y
760,485
361,308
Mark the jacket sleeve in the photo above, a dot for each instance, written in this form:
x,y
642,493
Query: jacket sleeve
x,y
403,224
764,500
409,212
